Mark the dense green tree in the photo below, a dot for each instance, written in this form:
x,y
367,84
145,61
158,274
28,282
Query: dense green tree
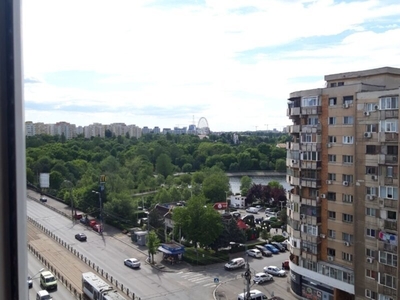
x,y
280,165
244,160
245,184
200,223
230,233
215,187
164,165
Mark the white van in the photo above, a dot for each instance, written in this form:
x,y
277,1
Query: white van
x,y
43,295
235,263
253,210
254,295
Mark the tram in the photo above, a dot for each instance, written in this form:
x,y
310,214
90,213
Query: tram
x,y
95,288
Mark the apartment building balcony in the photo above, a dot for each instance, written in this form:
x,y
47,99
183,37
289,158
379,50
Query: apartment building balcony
x,y
310,219
311,110
387,269
391,181
292,180
390,225
310,238
293,163
388,114
312,183
387,291
310,256
293,112
293,146
294,233
292,197
294,129
293,250
311,147
311,201
388,203
388,137
384,159
383,246
311,128
313,165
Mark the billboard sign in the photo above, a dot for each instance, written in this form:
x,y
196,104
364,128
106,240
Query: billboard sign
x,y
44,180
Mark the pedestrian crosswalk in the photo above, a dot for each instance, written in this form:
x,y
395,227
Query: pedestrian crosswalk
x,y
197,279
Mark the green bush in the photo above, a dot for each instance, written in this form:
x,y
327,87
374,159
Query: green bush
x,y
273,219
276,224
204,257
278,238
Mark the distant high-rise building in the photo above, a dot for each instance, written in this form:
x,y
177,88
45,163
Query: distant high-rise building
x,y
343,166
29,128
156,130
145,130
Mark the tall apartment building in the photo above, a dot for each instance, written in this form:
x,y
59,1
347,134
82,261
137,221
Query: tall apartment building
x,y
343,206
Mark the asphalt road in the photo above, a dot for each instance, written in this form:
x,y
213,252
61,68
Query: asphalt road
x,y
34,265
182,282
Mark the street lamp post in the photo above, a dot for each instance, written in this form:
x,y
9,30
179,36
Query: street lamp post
x,y
101,210
247,273
70,184
33,276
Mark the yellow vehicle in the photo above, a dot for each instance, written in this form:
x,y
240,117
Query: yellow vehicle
x,y
48,281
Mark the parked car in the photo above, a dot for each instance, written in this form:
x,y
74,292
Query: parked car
x,y
278,246
253,210
264,251
132,263
262,277
235,263
30,282
275,271
271,248
43,199
254,253
81,237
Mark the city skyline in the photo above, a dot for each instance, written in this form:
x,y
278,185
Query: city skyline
x,y
161,62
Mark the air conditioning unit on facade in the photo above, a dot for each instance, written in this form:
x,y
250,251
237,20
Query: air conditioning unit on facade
x,y
329,182
346,105
370,197
370,260
323,196
331,258
302,216
345,183
366,113
367,135
329,145
294,161
374,177
322,236
347,244
376,107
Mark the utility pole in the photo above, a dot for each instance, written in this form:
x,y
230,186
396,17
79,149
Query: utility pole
x,y
70,185
247,276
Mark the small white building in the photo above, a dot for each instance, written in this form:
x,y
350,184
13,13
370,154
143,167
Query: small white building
x,y
237,201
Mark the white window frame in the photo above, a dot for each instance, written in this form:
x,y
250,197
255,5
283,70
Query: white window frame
x,y
384,259
333,119
371,190
310,101
370,294
347,159
348,140
333,156
369,232
383,278
369,211
389,103
347,198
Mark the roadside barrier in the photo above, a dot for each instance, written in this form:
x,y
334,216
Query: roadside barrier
x,y
76,253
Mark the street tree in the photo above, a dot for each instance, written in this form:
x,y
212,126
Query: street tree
x,y
245,184
215,187
153,242
199,222
230,233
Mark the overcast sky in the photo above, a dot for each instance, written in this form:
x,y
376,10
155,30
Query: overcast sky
x,y
168,63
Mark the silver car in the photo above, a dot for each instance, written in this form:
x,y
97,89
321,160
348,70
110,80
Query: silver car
x,y
132,263
262,277
275,271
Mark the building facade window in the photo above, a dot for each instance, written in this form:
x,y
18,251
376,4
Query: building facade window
x,y
370,232
332,139
347,218
371,128
332,176
347,159
372,149
388,126
371,170
348,178
348,120
387,280
371,190
347,99
370,211
347,198
387,258
370,294
331,233
371,274
331,196
331,214
331,157
332,101
370,106
370,252
332,121
331,252
347,256
388,192
389,103
347,237
348,140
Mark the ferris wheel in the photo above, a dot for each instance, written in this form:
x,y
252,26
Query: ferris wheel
x,y
202,126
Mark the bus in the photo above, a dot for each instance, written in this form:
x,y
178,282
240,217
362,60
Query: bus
x,y
95,288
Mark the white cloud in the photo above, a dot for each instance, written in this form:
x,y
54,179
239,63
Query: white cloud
x,y
187,58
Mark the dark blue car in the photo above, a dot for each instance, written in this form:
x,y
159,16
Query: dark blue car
x,y
271,248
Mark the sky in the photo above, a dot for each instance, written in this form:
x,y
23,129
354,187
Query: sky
x,y
169,63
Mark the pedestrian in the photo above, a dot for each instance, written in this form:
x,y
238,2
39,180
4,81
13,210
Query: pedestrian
x,y
276,230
